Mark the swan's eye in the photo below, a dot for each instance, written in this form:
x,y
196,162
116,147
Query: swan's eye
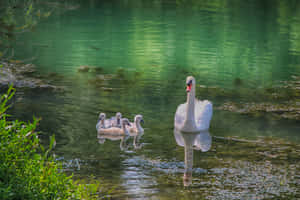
x,y
189,83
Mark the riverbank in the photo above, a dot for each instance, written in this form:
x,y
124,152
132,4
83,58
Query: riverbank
x,y
22,75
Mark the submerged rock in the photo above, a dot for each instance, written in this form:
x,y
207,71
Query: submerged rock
x,y
289,110
286,93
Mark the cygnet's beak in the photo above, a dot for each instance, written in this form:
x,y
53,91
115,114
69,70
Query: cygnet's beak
x,y
142,121
128,124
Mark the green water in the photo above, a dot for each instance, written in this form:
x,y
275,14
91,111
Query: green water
x,y
140,53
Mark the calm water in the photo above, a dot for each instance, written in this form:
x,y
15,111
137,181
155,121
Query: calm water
x,y
140,53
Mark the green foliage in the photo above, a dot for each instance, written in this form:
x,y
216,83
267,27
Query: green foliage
x,y
27,170
18,16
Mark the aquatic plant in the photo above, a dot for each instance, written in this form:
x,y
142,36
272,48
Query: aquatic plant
x,y
287,104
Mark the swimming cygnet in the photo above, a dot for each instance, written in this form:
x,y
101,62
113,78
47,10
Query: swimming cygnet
x,y
101,121
115,130
116,121
135,127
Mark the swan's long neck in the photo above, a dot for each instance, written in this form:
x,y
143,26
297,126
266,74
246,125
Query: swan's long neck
x,y
189,123
138,126
190,114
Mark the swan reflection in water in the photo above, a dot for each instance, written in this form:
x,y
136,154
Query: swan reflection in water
x,y
191,141
123,140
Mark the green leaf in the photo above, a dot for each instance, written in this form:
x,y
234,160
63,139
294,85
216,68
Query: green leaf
x,y
35,175
52,142
29,9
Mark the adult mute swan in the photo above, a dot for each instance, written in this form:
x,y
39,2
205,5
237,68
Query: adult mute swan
x,y
194,115
114,130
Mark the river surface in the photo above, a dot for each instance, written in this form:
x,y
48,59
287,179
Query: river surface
x,y
139,54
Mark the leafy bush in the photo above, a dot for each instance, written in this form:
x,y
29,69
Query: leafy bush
x,y
27,171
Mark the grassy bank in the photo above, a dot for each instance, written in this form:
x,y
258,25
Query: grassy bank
x,y
27,170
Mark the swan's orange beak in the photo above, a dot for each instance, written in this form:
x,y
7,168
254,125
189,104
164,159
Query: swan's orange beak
x,y
188,87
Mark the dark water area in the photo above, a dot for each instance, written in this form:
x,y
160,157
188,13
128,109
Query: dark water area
x,y
139,54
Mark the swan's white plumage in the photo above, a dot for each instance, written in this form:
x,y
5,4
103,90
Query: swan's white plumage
x,y
194,115
203,115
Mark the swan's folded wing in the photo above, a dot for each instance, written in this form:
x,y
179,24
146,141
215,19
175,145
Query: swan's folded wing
x,y
203,112
180,115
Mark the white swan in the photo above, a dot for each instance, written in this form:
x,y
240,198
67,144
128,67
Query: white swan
x,y
115,130
135,127
194,115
